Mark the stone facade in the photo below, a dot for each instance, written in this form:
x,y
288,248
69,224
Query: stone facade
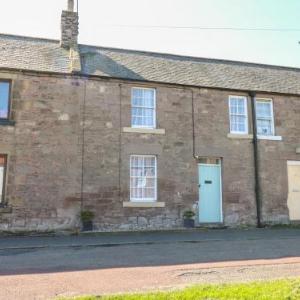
x,y
69,150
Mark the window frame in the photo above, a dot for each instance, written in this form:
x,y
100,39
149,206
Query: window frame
x,y
9,81
153,108
2,198
150,200
270,100
245,98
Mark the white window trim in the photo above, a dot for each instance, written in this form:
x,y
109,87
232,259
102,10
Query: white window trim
x,y
246,115
154,108
155,177
266,137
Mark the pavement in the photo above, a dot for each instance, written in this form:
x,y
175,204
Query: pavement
x,y
48,267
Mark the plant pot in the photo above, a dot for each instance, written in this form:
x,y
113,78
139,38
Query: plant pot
x,y
87,225
189,223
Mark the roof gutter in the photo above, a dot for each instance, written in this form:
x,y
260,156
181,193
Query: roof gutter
x,y
98,77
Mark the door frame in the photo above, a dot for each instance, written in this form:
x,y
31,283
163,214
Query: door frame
x,y
290,163
221,190
293,162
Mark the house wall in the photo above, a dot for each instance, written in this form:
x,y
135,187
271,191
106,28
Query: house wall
x,y
54,159
43,175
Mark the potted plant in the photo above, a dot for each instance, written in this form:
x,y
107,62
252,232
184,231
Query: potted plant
x,y
188,219
87,217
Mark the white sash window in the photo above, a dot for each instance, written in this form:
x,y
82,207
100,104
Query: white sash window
x,y
143,178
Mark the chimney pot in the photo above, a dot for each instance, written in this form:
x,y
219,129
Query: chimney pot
x,y
70,5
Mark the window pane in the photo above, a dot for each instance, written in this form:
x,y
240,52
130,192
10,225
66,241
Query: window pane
x,y
149,161
143,107
263,109
237,106
264,127
150,193
137,93
149,98
264,117
150,183
142,117
241,107
238,123
4,99
138,102
143,178
238,114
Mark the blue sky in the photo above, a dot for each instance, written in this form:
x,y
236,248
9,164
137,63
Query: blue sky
x,y
42,18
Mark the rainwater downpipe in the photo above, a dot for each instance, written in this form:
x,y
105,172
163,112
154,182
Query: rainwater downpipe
x,y
193,127
256,160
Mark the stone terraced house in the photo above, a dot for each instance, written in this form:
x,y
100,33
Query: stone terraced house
x,y
139,138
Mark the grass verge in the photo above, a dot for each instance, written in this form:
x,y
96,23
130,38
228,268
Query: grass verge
x,y
266,290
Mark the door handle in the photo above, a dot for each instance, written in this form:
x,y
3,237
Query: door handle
x,y
199,185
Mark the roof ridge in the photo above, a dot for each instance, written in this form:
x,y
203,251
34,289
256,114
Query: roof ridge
x,y
165,54
28,37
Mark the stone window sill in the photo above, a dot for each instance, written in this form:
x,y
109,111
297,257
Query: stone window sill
x,y
143,204
5,209
7,123
239,136
144,130
270,137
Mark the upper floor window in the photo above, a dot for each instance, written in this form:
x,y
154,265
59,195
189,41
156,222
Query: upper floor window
x,y
143,178
143,105
238,114
4,99
264,117
2,176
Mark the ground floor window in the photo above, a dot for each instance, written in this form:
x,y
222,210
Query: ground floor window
x,y
3,160
143,178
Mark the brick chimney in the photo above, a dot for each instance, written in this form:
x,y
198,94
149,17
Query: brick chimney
x,y
69,27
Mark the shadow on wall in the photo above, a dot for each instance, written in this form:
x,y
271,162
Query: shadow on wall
x,y
99,64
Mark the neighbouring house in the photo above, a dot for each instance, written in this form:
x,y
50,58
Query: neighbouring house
x,y
139,137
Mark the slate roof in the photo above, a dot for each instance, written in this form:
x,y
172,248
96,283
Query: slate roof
x,y
46,55
36,54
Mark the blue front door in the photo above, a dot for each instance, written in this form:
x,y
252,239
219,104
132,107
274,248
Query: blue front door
x,y
210,193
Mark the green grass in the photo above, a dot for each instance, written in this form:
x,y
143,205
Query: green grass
x,y
273,290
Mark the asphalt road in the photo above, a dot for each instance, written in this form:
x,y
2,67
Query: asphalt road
x,y
44,268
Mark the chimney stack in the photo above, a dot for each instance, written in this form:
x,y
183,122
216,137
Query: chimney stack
x,y
69,27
